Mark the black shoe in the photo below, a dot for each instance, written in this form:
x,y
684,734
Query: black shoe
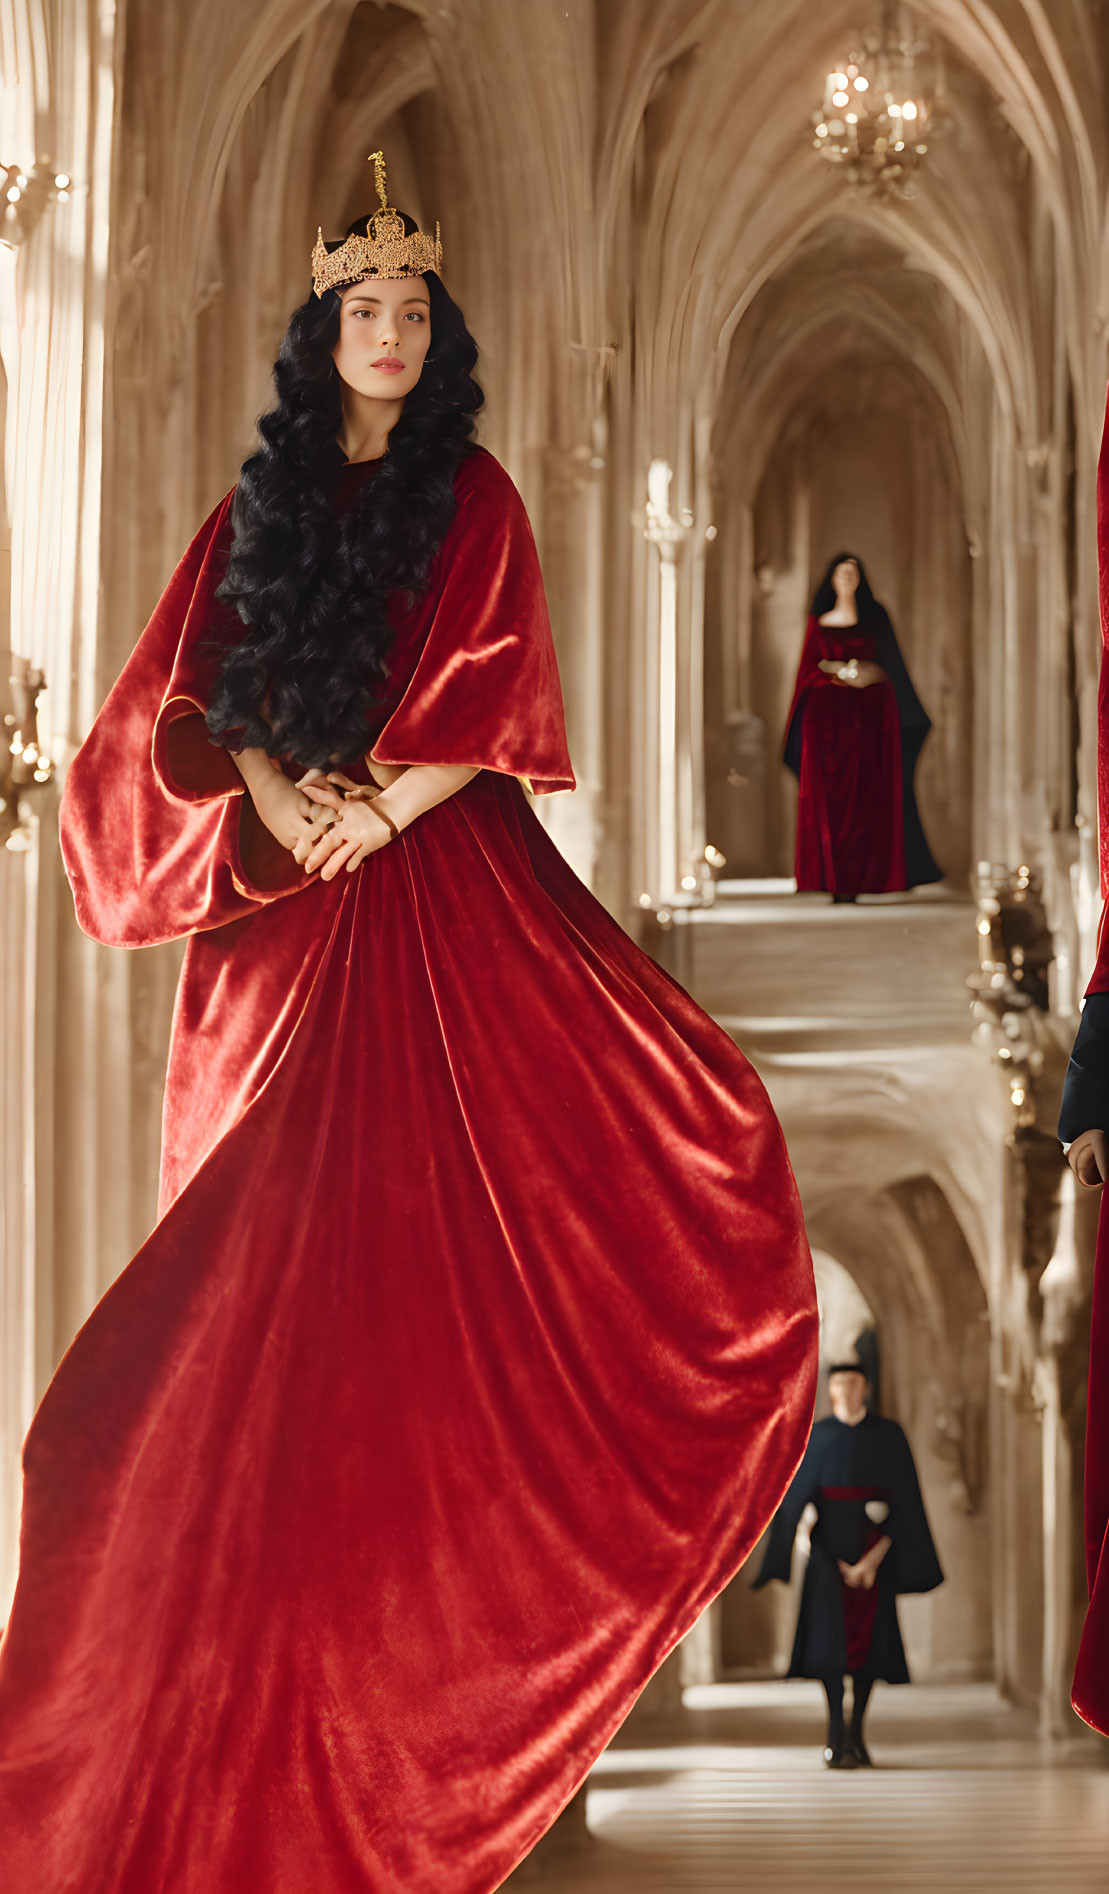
x,y
836,1753
837,899
858,1752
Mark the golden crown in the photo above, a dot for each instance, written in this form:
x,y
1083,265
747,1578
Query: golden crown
x,y
385,250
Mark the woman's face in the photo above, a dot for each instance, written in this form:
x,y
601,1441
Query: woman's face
x,y
845,578
384,335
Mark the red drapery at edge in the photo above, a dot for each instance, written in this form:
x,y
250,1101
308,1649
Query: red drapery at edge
x,y
1090,1694
475,1345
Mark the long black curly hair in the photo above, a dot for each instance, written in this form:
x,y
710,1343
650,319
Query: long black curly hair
x,y
311,582
824,598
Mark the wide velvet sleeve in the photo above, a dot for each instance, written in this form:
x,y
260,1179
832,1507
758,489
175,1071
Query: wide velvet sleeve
x,y
150,809
485,692
1099,980
777,1559
912,1557
809,677
1103,678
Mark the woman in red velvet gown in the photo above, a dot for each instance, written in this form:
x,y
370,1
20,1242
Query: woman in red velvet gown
x,y
853,736
475,1344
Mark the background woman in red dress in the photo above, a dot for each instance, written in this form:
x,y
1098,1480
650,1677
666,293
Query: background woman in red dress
x,y
476,1342
854,733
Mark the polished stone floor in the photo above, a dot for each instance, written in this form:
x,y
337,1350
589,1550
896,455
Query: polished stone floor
x,y
733,1799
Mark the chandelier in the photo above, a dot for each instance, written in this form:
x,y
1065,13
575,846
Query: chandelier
x,y
882,107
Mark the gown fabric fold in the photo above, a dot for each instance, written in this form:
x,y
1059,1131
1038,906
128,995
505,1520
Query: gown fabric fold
x,y
475,1344
1090,1688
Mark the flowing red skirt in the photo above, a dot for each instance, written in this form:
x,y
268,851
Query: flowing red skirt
x,y
850,826
1090,1694
472,1353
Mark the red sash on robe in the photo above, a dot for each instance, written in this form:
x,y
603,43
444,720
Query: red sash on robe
x,y
860,1605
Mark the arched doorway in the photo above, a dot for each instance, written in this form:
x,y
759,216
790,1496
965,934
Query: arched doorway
x,y
838,428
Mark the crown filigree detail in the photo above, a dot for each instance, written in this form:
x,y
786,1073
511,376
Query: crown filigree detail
x,y
385,250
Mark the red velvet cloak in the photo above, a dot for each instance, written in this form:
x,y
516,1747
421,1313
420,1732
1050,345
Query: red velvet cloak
x,y
850,827
1090,1693
475,1345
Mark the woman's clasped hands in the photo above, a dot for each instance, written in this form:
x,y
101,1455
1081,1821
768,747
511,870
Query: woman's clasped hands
x,y
280,804
328,822
858,674
342,832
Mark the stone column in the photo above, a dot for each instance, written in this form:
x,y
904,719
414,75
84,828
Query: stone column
x,y
57,114
574,553
665,838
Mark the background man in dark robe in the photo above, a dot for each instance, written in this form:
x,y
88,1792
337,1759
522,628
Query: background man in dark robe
x,y
870,1541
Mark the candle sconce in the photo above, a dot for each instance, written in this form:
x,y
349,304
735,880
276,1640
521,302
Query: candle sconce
x,y
1010,990
23,766
24,195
